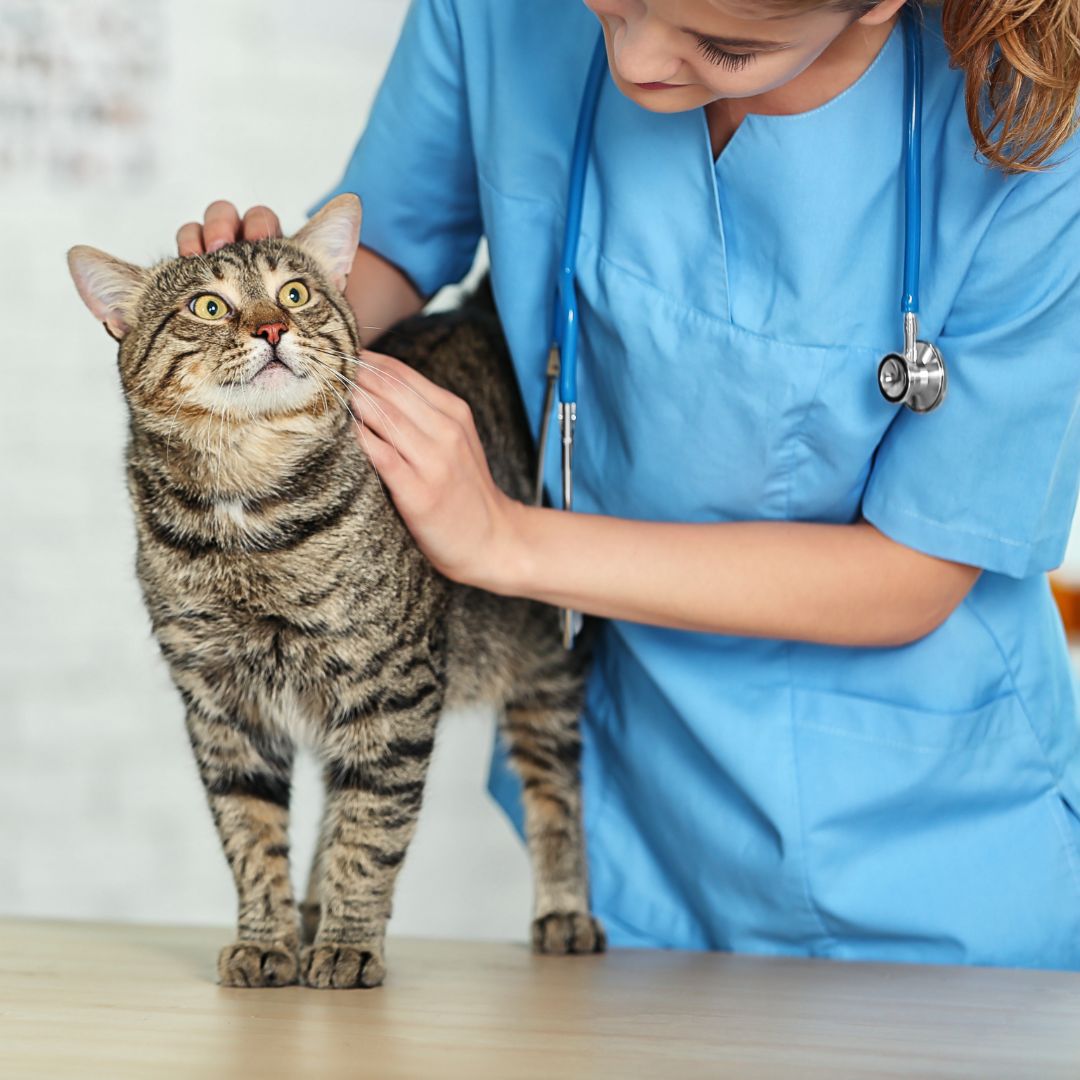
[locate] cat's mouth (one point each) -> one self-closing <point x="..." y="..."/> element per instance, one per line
<point x="276" y="369"/>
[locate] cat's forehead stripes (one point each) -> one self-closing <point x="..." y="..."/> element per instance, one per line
<point x="239" y="273"/>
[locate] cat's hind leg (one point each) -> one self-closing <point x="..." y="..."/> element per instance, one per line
<point x="247" y="781"/>
<point x="540" y="727"/>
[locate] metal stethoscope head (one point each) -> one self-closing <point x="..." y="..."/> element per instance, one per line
<point x="915" y="378"/>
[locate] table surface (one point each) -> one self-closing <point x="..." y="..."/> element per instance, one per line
<point x="118" y="1001"/>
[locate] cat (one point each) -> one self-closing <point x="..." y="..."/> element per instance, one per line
<point x="292" y="606"/>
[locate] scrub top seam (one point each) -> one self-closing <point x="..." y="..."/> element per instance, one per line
<point x="893" y="507"/>
<point x="829" y="942"/>
<point x="967" y="601"/>
<point x="1054" y="776"/>
<point x="717" y="207"/>
<point x="875" y="351"/>
<point x="796" y="440"/>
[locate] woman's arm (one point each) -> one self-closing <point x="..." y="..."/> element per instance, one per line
<point x="834" y="584"/>
<point x="379" y="294"/>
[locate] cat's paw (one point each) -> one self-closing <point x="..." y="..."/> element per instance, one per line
<point x="251" y="963"/>
<point x="560" y="933"/>
<point x="327" y="966"/>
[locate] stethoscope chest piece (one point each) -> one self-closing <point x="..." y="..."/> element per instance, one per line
<point x="919" y="383"/>
<point x="916" y="379"/>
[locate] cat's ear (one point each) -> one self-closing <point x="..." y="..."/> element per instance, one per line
<point x="331" y="236"/>
<point x="109" y="287"/>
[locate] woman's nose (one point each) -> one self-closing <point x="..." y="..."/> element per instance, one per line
<point x="641" y="56"/>
<point x="272" y="331"/>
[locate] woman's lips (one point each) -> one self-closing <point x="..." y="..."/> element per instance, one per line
<point x="658" y="86"/>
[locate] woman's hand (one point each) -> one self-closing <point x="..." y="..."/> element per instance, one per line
<point x="222" y="225"/>
<point x="424" y="445"/>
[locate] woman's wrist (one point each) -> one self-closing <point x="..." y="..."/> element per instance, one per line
<point x="509" y="568"/>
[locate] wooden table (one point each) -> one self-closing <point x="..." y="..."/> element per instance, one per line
<point x="110" y="1000"/>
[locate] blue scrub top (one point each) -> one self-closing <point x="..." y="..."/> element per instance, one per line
<point x="912" y="803"/>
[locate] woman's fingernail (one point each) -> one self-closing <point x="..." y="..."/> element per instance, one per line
<point x="215" y="245"/>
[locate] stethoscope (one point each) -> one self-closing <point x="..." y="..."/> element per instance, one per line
<point x="915" y="378"/>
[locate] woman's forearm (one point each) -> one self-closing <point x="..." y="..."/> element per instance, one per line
<point x="834" y="584"/>
<point x="379" y="294"/>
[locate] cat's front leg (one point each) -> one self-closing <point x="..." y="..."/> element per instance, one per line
<point x="376" y="760"/>
<point x="247" y="782"/>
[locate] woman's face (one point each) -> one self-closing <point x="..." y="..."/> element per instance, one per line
<point x="673" y="55"/>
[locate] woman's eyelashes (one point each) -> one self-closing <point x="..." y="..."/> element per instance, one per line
<point x="721" y="57"/>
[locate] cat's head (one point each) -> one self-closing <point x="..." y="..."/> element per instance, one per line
<point x="252" y="333"/>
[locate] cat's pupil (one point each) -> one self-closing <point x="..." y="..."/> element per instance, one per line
<point x="211" y="308"/>
<point x="294" y="295"/>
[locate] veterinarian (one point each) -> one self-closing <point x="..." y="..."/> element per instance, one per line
<point x="832" y="711"/>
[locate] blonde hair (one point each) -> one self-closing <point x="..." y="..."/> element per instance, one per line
<point x="1021" y="64"/>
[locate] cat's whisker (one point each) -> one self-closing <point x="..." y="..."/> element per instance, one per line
<point x="363" y="393"/>
<point x="359" y="424"/>
<point x="364" y="326"/>
<point x="172" y="417"/>
<point x="367" y="366"/>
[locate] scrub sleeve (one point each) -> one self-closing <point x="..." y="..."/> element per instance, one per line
<point x="414" y="166"/>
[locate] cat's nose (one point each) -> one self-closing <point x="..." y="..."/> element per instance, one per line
<point x="272" y="331"/>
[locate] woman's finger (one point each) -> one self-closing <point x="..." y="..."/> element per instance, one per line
<point x="437" y="411"/>
<point x="189" y="239"/>
<point x="401" y="379"/>
<point x="261" y="222"/>
<point x="221" y="225"/>
<point x="391" y="424"/>
<point x="386" y="460"/>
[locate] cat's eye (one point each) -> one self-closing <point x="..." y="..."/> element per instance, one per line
<point x="293" y="294"/>
<point x="209" y="307"/>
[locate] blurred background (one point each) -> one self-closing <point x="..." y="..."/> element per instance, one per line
<point x="119" y="121"/>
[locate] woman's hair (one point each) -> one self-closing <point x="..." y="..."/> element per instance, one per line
<point x="1022" y="58"/>
<point x="1021" y="62"/>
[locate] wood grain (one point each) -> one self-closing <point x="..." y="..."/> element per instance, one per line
<point x="120" y="1001"/>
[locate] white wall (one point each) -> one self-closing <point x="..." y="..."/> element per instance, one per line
<point x="102" y="814"/>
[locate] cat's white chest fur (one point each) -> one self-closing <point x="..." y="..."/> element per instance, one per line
<point x="286" y="713"/>
<point x="232" y="510"/>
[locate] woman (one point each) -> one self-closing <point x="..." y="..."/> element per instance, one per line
<point x="832" y="711"/>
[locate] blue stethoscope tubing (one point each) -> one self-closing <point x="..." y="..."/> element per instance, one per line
<point x="915" y="378"/>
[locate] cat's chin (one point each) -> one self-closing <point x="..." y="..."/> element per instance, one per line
<point x="273" y="391"/>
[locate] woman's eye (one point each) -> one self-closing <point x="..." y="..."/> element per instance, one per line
<point x="209" y="307"/>
<point x="293" y="294"/>
<point x="728" y="60"/>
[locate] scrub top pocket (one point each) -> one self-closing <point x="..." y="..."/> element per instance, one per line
<point x="935" y="836"/>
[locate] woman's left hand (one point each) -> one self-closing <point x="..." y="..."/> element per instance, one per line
<point x="423" y="442"/>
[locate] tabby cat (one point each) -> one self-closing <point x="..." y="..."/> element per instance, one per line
<point x="292" y="605"/>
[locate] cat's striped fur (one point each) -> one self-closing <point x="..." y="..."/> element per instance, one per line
<point x="292" y="605"/>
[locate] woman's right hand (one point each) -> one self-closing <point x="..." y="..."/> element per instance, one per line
<point x="222" y="225"/>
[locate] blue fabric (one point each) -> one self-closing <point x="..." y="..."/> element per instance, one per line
<point x="916" y="803"/>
